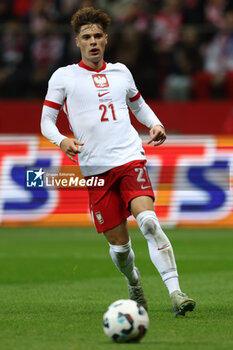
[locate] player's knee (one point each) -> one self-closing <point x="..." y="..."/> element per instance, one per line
<point x="149" y="226"/>
<point x="117" y="242"/>
<point x="151" y="229"/>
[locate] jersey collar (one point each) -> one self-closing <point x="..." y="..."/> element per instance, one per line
<point x="83" y="65"/>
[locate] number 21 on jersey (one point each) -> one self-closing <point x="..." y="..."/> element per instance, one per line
<point x="105" y="114"/>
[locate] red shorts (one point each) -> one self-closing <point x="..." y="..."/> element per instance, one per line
<point x="109" y="204"/>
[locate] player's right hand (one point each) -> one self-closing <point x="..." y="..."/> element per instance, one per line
<point x="70" y="148"/>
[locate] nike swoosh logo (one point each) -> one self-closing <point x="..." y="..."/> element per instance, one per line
<point x="101" y="95"/>
<point x="144" y="187"/>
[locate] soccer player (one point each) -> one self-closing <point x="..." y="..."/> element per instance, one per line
<point x="95" y="96"/>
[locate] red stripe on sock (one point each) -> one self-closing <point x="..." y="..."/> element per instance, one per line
<point x="166" y="246"/>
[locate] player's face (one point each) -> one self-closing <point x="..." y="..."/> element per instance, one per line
<point x="92" y="41"/>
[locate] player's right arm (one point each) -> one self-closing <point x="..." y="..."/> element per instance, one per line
<point x="70" y="147"/>
<point x="54" y="100"/>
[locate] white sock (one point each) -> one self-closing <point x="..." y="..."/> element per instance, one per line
<point x="123" y="257"/>
<point x="172" y="284"/>
<point x="160" y="249"/>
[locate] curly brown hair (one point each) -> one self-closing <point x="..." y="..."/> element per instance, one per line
<point x="89" y="15"/>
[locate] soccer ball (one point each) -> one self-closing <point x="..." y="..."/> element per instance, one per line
<point x="125" y="320"/>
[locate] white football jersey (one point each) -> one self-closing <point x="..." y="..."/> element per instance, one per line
<point x="96" y="105"/>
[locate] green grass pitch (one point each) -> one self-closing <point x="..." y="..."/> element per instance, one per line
<point x="56" y="283"/>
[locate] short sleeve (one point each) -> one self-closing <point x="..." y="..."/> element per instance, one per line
<point x="56" y="95"/>
<point x="132" y="92"/>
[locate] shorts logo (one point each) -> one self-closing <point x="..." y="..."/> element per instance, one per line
<point x="145" y="187"/>
<point x="99" y="217"/>
<point x="35" y="178"/>
<point x="100" y="80"/>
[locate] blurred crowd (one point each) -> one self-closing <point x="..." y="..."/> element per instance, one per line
<point x="176" y="49"/>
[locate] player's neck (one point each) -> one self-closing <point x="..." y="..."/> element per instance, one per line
<point x="94" y="65"/>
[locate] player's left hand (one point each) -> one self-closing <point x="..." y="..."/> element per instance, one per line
<point x="157" y="135"/>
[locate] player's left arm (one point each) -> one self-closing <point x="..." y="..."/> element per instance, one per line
<point x="157" y="135"/>
<point x="146" y="116"/>
<point x="144" y="113"/>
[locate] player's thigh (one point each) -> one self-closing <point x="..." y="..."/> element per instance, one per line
<point x="136" y="189"/>
<point x="108" y="211"/>
<point x="118" y="235"/>
<point x="141" y="203"/>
